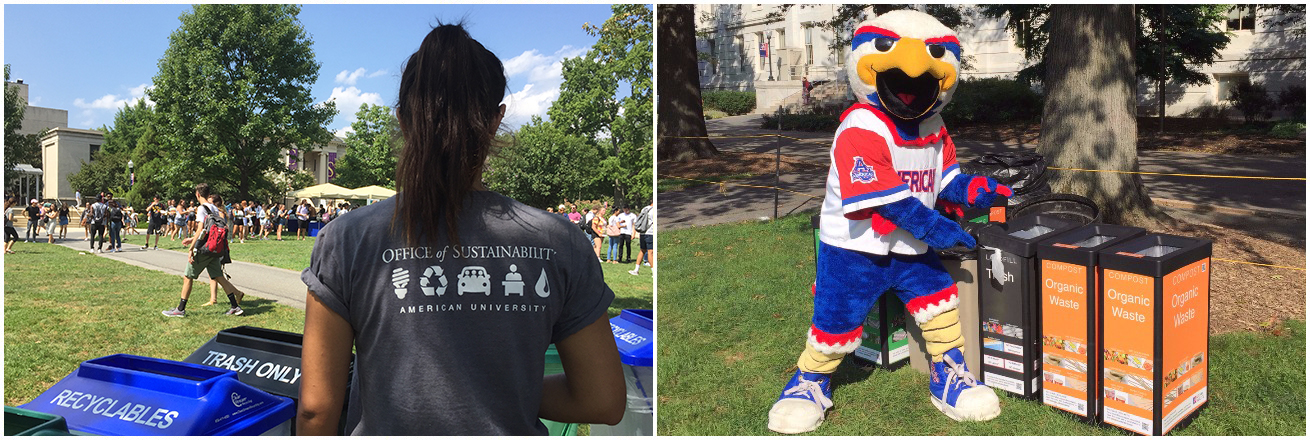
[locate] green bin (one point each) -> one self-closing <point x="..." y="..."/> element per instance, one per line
<point x="554" y="366"/>
<point x="19" y="421"/>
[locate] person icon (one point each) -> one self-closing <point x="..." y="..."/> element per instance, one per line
<point x="513" y="281"/>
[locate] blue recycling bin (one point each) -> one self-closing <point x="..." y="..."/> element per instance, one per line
<point x="633" y="332"/>
<point x="313" y="228"/>
<point x="124" y="394"/>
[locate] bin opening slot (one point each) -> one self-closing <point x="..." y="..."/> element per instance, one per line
<point x="146" y="365"/>
<point x="1157" y="251"/>
<point x="1094" y="241"/>
<point x="1031" y="232"/>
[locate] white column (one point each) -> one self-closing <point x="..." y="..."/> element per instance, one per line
<point x="322" y="167"/>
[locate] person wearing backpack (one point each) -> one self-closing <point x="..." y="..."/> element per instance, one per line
<point x="99" y="216"/>
<point x="202" y="255"/>
<point x="645" y="225"/>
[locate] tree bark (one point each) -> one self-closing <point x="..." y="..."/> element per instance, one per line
<point x="681" y="115"/>
<point x="1088" y="121"/>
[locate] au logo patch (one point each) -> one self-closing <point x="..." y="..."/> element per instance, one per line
<point x="862" y="173"/>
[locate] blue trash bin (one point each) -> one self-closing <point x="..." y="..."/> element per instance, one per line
<point x="633" y="330"/>
<point x="125" y="394"/>
<point x="313" y="228"/>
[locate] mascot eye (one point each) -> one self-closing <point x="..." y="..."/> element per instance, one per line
<point x="883" y="44"/>
<point x="936" y="50"/>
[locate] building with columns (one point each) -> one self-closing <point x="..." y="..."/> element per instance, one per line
<point x="732" y="37"/>
<point x="321" y="161"/>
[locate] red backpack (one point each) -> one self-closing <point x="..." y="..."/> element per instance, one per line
<point x="213" y="235"/>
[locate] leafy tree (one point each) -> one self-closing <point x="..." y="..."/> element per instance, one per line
<point x="19" y="148"/>
<point x="542" y="165"/>
<point x="371" y="158"/>
<point x="233" y="93"/>
<point x="1088" y="120"/>
<point x="107" y="172"/>
<point x="589" y="106"/>
<point x="682" y="133"/>
<point x="1187" y="35"/>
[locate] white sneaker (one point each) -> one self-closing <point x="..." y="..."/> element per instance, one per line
<point x="634" y="271"/>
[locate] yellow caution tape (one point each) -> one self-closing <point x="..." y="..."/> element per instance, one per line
<point x="1215" y="176"/>
<point x="723" y="185"/>
<point x="1259" y="264"/>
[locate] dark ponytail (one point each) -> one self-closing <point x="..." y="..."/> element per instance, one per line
<point x="448" y="109"/>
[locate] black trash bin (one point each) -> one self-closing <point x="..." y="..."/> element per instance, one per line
<point x="263" y="358"/>
<point x="1009" y="307"/>
<point x="1070" y="313"/>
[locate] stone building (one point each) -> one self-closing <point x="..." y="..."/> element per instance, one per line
<point x="733" y="36"/>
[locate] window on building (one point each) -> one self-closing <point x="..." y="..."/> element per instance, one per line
<point x="1241" y="18"/>
<point x="1226" y="82"/>
<point x="94" y="149"/>
<point x="739" y="43"/>
<point x="809" y="45"/>
<point x="714" y="54"/>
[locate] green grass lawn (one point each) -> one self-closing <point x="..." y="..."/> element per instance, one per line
<point x="62" y="308"/>
<point x="291" y="254"/>
<point x="735" y="306"/>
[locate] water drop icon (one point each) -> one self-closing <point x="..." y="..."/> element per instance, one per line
<point x="543" y="286"/>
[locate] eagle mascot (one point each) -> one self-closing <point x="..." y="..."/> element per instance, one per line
<point x="892" y="162"/>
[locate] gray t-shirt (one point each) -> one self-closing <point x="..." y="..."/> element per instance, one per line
<point x="451" y="340"/>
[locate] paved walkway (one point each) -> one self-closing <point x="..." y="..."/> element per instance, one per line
<point x="1220" y="201"/>
<point x="256" y="280"/>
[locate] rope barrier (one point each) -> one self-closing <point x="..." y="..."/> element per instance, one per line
<point x="1215" y="176"/>
<point x="1259" y="264"/>
<point x="723" y="185"/>
<point x="1212" y="176"/>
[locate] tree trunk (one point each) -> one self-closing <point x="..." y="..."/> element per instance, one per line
<point x="1089" y="120"/>
<point x="679" y="102"/>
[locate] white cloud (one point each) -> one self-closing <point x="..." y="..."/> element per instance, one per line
<point x="348" y="101"/>
<point x="543" y="75"/>
<point x="100" y="110"/>
<point x="350" y="98"/>
<point x="350" y="78"/>
<point x="523" y="104"/>
<point x="343" y="131"/>
<point x="115" y="102"/>
<point x="540" y="67"/>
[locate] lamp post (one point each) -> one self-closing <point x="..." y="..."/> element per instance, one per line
<point x="768" y="38"/>
<point x="131" y="175"/>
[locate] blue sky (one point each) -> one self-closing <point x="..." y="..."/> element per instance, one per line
<point x="92" y="59"/>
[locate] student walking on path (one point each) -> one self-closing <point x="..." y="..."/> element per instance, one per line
<point x="645" y="225"/>
<point x="11" y="234"/>
<point x="99" y="217"/>
<point x="198" y="262"/>
<point x="33" y="219"/>
<point x="115" y="227"/>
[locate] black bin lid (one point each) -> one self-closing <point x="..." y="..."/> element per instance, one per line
<point x="1021" y="235"/>
<point x="1088" y="239"/>
<point x="1155" y="255"/>
<point x="264" y="358"/>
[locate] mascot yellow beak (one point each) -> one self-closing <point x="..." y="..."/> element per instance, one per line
<point x="909" y="76"/>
